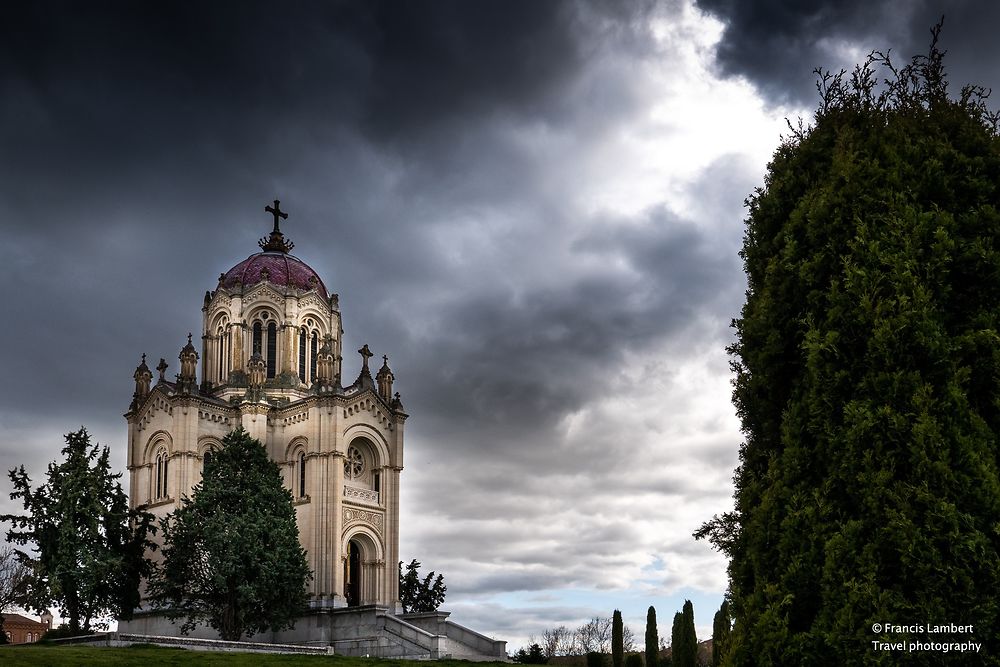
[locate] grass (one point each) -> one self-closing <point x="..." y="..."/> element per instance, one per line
<point x="40" y="655"/>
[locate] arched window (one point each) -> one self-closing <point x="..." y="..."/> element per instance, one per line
<point x="161" y="467"/>
<point x="222" y="349"/>
<point x="221" y="355"/>
<point x="302" y="355"/>
<point x="312" y="357"/>
<point x="257" y="335"/>
<point x="205" y="461"/>
<point x="302" y="474"/>
<point x="272" y="348"/>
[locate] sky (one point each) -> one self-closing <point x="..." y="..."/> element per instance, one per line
<point x="534" y="208"/>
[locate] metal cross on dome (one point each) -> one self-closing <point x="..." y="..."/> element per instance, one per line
<point x="276" y="242"/>
<point x="277" y="213"/>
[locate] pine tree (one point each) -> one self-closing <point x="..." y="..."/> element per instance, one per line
<point x="868" y="376"/>
<point x="533" y="655"/>
<point x="418" y="595"/>
<point x="91" y="547"/>
<point x="232" y="556"/>
<point x="652" y="640"/>
<point x="617" y="639"/>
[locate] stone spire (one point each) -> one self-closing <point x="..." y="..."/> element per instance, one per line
<point x="142" y="377"/>
<point x="384" y="379"/>
<point x="276" y="241"/>
<point x="186" y="380"/>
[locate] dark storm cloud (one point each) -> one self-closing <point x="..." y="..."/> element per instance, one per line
<point x="777" y="44"/>
<point x="129" y="128"/>
<point x="119" y="83"/>
<point x="511" y="358"/>
<point x="519" y="362"/>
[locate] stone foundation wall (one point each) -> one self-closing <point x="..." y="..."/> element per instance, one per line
<point x="358" y="631"/>
<point x="122" y="639"/>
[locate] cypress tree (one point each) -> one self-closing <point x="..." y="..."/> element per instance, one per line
<point x="617" y="639"/>
<point x="676" y="639"/>
<point x="721" y="629"/>
<point x="652" y="640"/>
<point x="683" y="641"/>
<point x="867" y="368"/>
<point x="690" y="636"/>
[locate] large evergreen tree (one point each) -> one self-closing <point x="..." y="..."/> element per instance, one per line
<point x="232" y="556"/>
<point x="90" y="547"/>
<point x="867" y="369"/>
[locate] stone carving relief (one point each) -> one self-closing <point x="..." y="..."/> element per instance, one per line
<point x="373" y="519"/>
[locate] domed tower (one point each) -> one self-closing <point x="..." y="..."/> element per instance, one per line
<point x="272" y="304"/>
<point x="271" y="362"/>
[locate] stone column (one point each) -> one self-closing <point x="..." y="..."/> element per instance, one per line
<point x="207" y="370"/>
<point x="391" y="483"/>
<point x="286" y="347"/>
<point x="237" y="360"/>
<point x="337" y="526"/>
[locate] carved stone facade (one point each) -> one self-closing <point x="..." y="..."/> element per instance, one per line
<point x="271" y="362"/>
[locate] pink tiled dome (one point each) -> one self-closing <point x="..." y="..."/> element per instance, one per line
<point x="282" y="269"/>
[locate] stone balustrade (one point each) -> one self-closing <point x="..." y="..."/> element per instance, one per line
<point x="358" y="495"/>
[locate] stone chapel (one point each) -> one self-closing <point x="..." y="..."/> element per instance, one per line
<point x="271" y="361"/>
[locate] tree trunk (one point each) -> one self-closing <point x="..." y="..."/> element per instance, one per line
<point x="73" y="609"/>
<point x="229" y="627"/>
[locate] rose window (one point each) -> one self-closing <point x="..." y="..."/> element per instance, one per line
<point x="355" y="463"/>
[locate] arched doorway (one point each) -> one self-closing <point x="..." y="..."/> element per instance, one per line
<point x="352" y="574"/>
